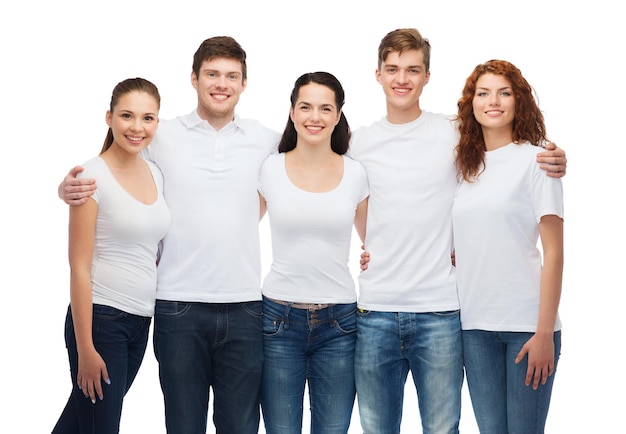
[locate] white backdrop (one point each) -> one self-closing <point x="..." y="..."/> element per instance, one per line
<point x="60" y="61"/>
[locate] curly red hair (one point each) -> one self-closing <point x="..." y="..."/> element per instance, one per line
<point x="528" y="123"/>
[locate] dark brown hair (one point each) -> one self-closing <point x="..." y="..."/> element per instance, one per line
<point x="220" y="46"/>
<point x="340" y="139"/>
<point x="122" y="88"/>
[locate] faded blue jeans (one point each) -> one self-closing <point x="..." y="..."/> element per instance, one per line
<point x="209" y="345"/>
<point x="501" y="400"/>
<point x="121" y="339"/>
<point x="389" y="345"/>
<point x="314" y="347"/>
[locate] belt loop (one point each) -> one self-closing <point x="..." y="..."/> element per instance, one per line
<point x="331" y="316"/>
<point x="287" y="312"/>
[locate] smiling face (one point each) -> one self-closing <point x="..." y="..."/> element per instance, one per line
<point x="403" y="77"/>
<point x="315" y="114"/>
<point x="219" y="86"/>
<point x="494" y="104"/>
<point x="133" y="121"/>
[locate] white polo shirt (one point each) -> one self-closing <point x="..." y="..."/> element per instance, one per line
<point x="211" y="253"/>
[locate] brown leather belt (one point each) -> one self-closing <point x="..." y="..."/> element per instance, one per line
<point x="311" y="307"/>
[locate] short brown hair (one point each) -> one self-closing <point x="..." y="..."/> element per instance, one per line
<point x="401" y="40"/>
<point x="219" y="46"/>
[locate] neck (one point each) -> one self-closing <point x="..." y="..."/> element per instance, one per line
<point x="312" y="155"/>
<point x="216" y="120"/>
<point x="400" y="116"/>
<point x="497" y="138"/>
<point x="119" y="158"/>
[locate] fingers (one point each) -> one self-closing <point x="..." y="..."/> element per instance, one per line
<point x="365" y="259"/>
<point x="92" y="389"/>
<point x="554" y="162"/>
<point x="75" y="171"/>
<point x="550" y="146"/>
<point x="554" y="171"/>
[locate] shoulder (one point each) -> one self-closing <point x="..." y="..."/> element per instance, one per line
<point x="271" y="162"/>
<point x="441" y="119"/>
<point x="354" y="167"/>
<point x="255" y="127"/>
<point x="92" y="168"/>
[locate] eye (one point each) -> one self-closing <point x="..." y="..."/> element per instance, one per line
<point x="506" y="93"/>
<point x="126" y="116"/>
<point x="481" y="94"/>
<point x="149" y="118"/>
<point x="233" y="77"/>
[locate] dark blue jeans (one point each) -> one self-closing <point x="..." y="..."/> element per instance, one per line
<point x="209" y="345"/>
<point x="121" y="339"/>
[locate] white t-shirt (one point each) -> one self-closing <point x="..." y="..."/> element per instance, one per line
<point x="311" y="234"/>
<point x="412" y="180"/>
<point x="496" y="232"/>
<point x="123" y="270"/>
<point x="211" y="253"/>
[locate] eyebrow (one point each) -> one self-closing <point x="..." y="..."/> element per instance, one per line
<point x="217" y="70"/>
<point x="397" y="66"/>
<point x="322" y="105"/>
<point x="488" y="88"/>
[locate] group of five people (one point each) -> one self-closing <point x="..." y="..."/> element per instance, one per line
<point x="449" y="210"/>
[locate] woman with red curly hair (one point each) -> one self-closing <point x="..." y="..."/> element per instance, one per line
<point x="509" y="290"/>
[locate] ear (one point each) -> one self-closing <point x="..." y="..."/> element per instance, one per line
<point x="378" y="76"/>
<point x="108" y="118"/>
<point x="291" y="113"/>
<point x="244" y="83"/>
<point x="338" y="117"/>
<point x="427" y="78"/>
<point x="194" y="80"/>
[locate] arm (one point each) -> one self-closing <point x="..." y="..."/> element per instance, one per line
<point x="74" y="191"/>
<point x="91" y="367"/>
<point x="553" y="161"/>
<point x="360" y="224"/>
<point x="360" y="219"/>
<point x="263" y="207"/>
<point x="540" y="348"/>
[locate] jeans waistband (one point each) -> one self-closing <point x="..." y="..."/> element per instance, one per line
<point x="311" y="307"/>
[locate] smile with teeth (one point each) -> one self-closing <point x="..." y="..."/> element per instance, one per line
<point x="134" y="139"/>
<point x="401" y="90"/>
<point x="219" y="96"/>
<point x="313" y="128"/>
<point x="494" y="112"/>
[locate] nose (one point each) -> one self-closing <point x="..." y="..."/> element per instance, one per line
<point x="494" y="100"/>
<point x="402" y="76"/>
<point x="315" y="115"/>
<point x="221" y="81"/>
<point x="136" y="124"/>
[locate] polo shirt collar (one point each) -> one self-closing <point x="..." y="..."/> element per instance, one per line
<point x="192" y="120"/>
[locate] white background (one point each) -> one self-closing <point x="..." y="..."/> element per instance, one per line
<point x="60" y="60"/>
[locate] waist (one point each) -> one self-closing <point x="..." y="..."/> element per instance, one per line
<point x="311" y="307"/>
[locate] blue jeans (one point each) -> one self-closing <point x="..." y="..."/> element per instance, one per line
<point x="501" y="400"/>
<point x="121" y="339"/>
<point x="209" y="345"/>
<point x="308" y="346"/>
<point x="389" y="344"/>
